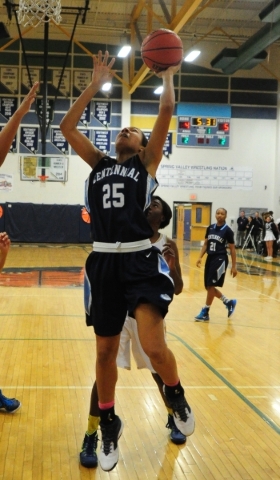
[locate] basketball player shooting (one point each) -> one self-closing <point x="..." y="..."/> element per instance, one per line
<point x="124" y="272"/>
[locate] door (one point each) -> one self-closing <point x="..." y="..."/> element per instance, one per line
<point x="200" y="219"/>
<point x="180" y="222"/>
<point x="187" y="224"/>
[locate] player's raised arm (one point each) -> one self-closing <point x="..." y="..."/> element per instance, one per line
<point x="9" y="131"/>
<point x="152" y="154"/>
<point x="78" y="141"/>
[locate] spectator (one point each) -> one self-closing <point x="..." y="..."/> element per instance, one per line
<point x="258" y="228"/>
<point x="241" y="229"/>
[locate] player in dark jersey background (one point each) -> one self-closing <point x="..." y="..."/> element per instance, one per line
<point x="218" y="236"/>
<point x="124" y="272"/>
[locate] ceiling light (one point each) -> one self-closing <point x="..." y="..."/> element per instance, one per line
<point x="159" y="90"/>
<point x="124" y="51"/>
<point x="106" y="87"/>
<point x="192" y="56"/>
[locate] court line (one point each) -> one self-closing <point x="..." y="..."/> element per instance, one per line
<point x="262" y="415"/>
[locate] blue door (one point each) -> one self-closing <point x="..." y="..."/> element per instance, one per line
<point x="187" y="224"/>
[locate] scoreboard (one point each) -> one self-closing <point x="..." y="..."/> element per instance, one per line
<point x="206" y="126"/>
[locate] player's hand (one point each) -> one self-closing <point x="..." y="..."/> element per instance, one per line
<point x="169" y="71"/>
<point x="198" y="263"/>
<point x="29" y="99"/>
<point x="5" y="242"/>
<point x="169" y="255"/>
<point x="233" y="272"/>
<point x="101" y="69"/>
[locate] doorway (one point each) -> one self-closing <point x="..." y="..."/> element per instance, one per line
<point x="190" y="220"/>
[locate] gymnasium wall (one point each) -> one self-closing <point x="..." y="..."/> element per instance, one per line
<point x="254" y="129"/>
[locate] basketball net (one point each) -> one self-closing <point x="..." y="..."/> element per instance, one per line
<point x="34" y="12"/>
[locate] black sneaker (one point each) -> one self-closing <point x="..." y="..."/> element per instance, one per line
<point x="11" y="405"/>
<point x="109" y="453"/>
<point x="182" y="414"/>
<point x="88" y="456"/>
<point x="175" y="435"/>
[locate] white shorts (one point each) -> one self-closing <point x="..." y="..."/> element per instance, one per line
<point x="129" y="337"/>
<point x="269" y="236"/>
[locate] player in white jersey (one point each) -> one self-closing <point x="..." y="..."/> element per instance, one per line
<point x="7" y="135"/>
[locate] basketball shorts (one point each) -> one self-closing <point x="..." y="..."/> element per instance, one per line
<point x="215" y="270"/>
<point x="115" y="283"/>
<point x="129" y="342"/>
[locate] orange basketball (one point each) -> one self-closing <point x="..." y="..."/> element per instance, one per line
<point x="162" y="49"/>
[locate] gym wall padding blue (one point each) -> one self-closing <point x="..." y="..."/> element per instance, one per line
<point x="36" y="223"/>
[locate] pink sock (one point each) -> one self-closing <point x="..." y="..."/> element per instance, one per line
<point x="106" y="406"/>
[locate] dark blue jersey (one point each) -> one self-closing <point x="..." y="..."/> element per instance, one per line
<point x="218" y="237"/>
<point x="117" y="195"/>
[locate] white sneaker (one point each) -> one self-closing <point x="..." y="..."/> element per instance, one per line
<point x="109" y="453"/>
<point x="268" y="259"/>
<point x="182" y="414"/>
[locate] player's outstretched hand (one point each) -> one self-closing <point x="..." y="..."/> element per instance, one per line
<point x="28" y="99"/>
<point x="5" y="243"/>
<point x="102" y="69"/>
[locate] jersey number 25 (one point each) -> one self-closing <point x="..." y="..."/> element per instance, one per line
<point x="113" y="195"/>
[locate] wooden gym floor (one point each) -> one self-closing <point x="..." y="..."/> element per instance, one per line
<point x="230" y="370"/>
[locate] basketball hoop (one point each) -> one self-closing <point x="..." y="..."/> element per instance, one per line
<point x="34" y="12"/>
<point x="43" y="178"/>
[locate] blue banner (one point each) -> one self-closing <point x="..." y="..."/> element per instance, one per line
<point x="29" y="138"/>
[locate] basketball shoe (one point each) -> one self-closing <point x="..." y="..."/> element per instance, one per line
<point x="11" y="405"/>
<point x="182" y="413"/>
<point x="230" y="305"/>
<point x="109" y="453"/>
<point x="88" y="456"/>
<point x="175" y="435"/>
<point x="203" y="316"/>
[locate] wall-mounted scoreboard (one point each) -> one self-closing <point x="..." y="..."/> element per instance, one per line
<point x="201" y="125"/>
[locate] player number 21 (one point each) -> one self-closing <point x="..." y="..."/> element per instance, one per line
<point x="113" y="195"/>
<point x="212" y="247"/>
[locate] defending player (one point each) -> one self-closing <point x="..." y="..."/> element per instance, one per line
<point x="7" y="135"/>
<point x="217" y="237"/>
<point x="159" y="215"/>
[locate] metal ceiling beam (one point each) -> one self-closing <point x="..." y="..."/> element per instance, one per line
<point x="176" y="25"/>
<point x="253" y="46"/>
<point x="184" y="15"/>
